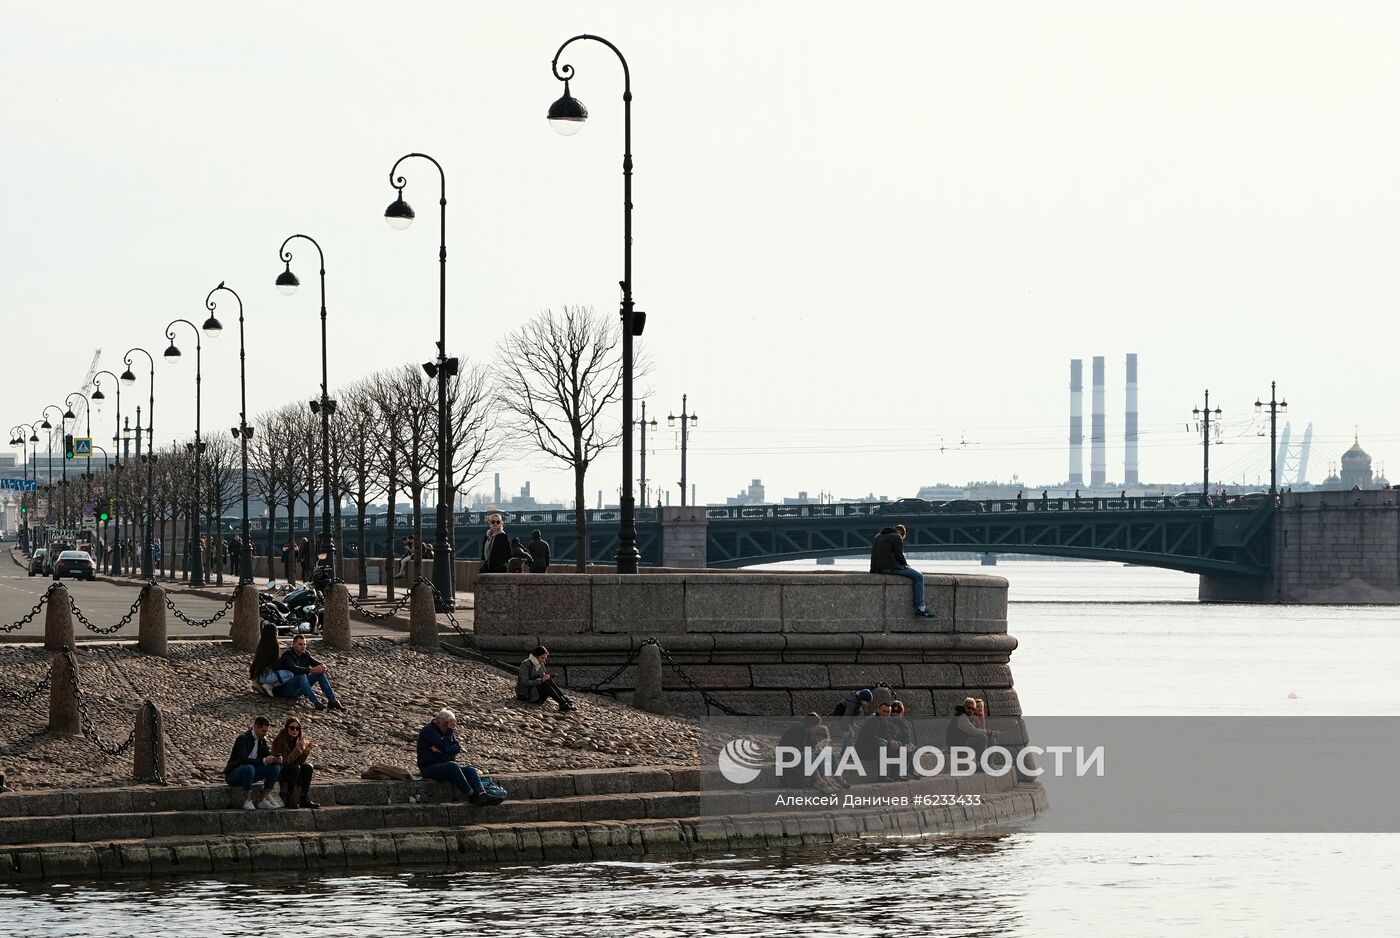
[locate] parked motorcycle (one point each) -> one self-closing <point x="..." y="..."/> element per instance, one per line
<point x="301" y="611"/>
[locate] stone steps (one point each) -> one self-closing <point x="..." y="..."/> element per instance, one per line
<point x="593" y="814"/>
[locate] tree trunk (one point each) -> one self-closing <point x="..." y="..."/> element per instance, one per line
<point x="271" y="541"/>
<point x="389" y="531"/>
<point x="362" y="567"/>
<point x="580" y="521"/>
<point x="417" y="496"/>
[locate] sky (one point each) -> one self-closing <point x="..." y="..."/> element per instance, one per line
<point x="869" y="237"/>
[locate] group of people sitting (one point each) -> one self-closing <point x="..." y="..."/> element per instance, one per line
<point x="873" y="722"/>
<point x="290" y="673"/>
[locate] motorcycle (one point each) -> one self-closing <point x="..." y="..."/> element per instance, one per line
<point x="301" y="611"/>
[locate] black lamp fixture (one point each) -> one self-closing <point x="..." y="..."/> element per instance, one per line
<point x="287" y="281"/>
<point x="567" y="114"/>
<point x="399" y="214"/>
<point x="128" y="378"/>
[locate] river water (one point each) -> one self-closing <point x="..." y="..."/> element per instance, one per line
<point x="1099" y="638"/>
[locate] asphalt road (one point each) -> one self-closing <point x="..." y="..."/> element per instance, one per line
<point x="103" y="604"/>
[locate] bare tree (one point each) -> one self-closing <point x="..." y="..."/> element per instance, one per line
<point x="388" y="465"/>
<point x="359" y="449"/>
<point x="265" y="477"/>
<point x="474" y="438"/>
<point x="557" y="377"/>
<point x="221" y="489"/>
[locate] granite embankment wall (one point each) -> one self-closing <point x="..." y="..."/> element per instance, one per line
<point x="601" y="814"/>
<point x="763" y="643"/>
<point x="1328" y="547"/>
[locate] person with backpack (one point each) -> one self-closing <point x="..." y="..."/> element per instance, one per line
<point x="850" y="707"/>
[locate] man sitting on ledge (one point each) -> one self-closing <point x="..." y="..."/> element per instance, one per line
<point x="887" y="556"/>
<point x="252" y="761"/>
<point x="437" y="756"/>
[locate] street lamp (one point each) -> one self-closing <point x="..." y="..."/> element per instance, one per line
<point x="400" y="215"/>
<point x="1203" y="415"/>
<point x="566" y="116"/>
<point x="212" y="328"/>
<point x="642" y="469"/>
<point x="242" y="433"/>
<point x="287" y="283"/>
<point x="1275" y="407"/>
<point x="687" y="421"/>
<point x="129" y="378"/>
<point x="97" y="398"/>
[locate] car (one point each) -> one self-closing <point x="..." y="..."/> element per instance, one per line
<point x="1248" y="500"/>
<point x="38" y="564"/>
<point x="905" y="506"/>
<point x="75" y="563"/>
<point x="1191" y="500"/>
<point x="962" y="505"/>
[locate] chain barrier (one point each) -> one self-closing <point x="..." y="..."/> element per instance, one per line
<point x="157" y="747"/>
<point x="88" y="728"/>
<point x="394" y="610"/>
<point x="27" y="697"/>
<point x="108" y="630"/>
<point x="29" y="617"/>
<point x="199" y="623"/>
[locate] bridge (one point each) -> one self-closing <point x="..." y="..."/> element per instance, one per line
<point x="1194" y="535"/>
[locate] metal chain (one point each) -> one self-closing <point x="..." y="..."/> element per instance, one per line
<point x="88" y="729"/>
<point x="29" y="617"/>
<point x="199" y="623"/>
<point x="704" y="694"/>
<point x="631" y="659"/>
<point x="28" y="696"/>
<point x="108" y="630"/>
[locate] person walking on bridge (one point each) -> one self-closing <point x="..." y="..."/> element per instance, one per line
<point x="887" y="557"/>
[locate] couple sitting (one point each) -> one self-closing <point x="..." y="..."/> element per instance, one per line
<point x="290" y="673"/>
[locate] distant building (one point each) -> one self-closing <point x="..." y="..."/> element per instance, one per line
<point x="754" y="495"/>
<point x="1356" y="467"/>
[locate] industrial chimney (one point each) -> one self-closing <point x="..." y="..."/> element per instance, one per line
<point x="1076" y="421"/>
<point x="1097" y="475"/>
<point x="1130" y="425"/>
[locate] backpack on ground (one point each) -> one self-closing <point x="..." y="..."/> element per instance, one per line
<point x="491" y="793"/>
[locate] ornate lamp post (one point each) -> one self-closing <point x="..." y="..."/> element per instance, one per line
<point x="129" y="378"/>
<point x="400" y="215"/>
<point x="1203" y="414"/>
<point x="243" y="432"/>
<point x="687" y="421"/>
<point x="212" y="327"/>
<point x="1275" y="407"/>
<point x="97" y="398"/>
<point x="287" y="282"/>
<point x="642" y="452"/>
<point x="566" y="116"/>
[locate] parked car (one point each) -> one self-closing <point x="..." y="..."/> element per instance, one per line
<point x="76" y="564"/>
<point x="38" y="563"/>
<point x="905" y="506"/>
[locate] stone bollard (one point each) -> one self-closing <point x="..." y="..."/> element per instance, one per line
<point x="422" y="618"/>
<point x="150" y="745"/>
<point x="150" y="636"/>
<point x="646" y="695"/>
<point x="244" y="634"/>
<point x="336" y="632"/>
<point x="63" y="697"/>
<point x="58" y="620"/>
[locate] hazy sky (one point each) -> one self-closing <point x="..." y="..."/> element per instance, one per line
<point x="869" y="237"/>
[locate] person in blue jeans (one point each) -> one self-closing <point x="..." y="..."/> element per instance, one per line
<point x="437" y="756"/>
<point x="887" y="556"/>
<point x="251" y="761"/>
<point x="305" y="671"/>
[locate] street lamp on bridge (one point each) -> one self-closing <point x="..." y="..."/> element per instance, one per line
<point x="567" y="116"/>
<point x="1275" y="407"/>
<point x="687" y="421"/>
<point x="97" y="398"/>
<point x="400" y="215"/>
<point x="1203" y="415"/>
<point x="287" y="283"/>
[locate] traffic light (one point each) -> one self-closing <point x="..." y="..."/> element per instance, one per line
<point x="23" y="510"/>
<point x="67" y="446"/>
<point x="103" y="516"/>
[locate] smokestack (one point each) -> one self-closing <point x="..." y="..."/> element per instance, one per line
<point x="1097" y="475"/>
<point x="1076" y="421"/>
<point x="497" y="501"/>
<point x="1130" y="425"/>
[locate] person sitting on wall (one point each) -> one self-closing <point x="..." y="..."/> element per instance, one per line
<point x="802" y="737"/>
<point x="252" y="761"/>
<point x="263" y="670"/>
<point x="964" y="731"/>
<point x="520" y="558"/>
<point x="877" y="734"/>
<point x="533" y="683"/>
<point x="437" y="757"/>
<point x="853" y="705"/>
<point x="887" y="557"/>
<point x="405" y="558"/>
<point x="903" y="726"/>
<point x="539" y="552"/>
<point x="293" y="748"/>
<point x="306" y="671"/>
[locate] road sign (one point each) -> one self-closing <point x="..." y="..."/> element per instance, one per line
<point x="82" y="447"/>
<point x="89" y="511"/>
<point x="20" y="485"/>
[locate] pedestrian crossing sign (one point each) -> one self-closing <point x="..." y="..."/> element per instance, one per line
<point x="82" y="447"/>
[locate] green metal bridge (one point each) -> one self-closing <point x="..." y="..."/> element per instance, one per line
<point x="1192" y="533"/>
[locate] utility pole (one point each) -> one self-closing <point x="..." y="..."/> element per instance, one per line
<point x="1276" y="407"/>
<point x="642" y="481"/>
<point x="1203" y="415"/>
<point x="687" y="421"/>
